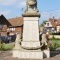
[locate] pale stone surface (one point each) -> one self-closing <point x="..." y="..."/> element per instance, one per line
<point x="31" y="29"/>
<point x="17" y="41"/>
<point x="31" y="55"/>
<point x="44" y="39"/>
<point x="31" y="44"/>
<point x="28" y="54"/>
<point x="31" y="32"/>
<point x="17" y="45"/>
<point x="15" y="53"/>
<point x="46" y="53"/>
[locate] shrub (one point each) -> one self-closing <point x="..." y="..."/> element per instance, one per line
<point x="54" y="46"/>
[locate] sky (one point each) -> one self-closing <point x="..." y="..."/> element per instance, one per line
<point x="15" y="8"/>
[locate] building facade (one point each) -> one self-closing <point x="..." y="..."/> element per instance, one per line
<point x="52" y="25"/>
<point x="10" y="26"/>
<point x="3" y="26"/>
<point x="16" y="25"/>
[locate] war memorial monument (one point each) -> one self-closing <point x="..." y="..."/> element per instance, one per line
<point x="29" y="47"/>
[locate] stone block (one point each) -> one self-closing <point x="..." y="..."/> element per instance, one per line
<point x="31" y="29"/>
<point x="30" y="44"/>
<point x="15" y="53"/>
<point x="46" y="53"/>
<point x="30" y="55"/>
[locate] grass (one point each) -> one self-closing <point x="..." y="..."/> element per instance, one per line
<point x="55" y="40"/>
<point x="8" y="47"/>
<point x="5" y="47"/>
<point x="55" y="43"/>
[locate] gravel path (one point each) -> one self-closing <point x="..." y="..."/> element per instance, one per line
<point x="55" y="55"/>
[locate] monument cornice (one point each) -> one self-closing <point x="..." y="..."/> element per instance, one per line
<point x="31" y="15"/>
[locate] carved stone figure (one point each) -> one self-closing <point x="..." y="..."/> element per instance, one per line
<point x="31" y="5"/>
<point x="18" y="41"/>
<point x="44" y="41"/>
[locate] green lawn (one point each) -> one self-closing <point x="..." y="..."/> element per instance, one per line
<point x="56" y="41"/>
<point x="6" y="47"/>
<point x="55" y="44"/>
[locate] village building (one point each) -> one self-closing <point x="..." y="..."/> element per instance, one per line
<point x="10" y="26"/>
<point x="16" y="25"/>
<point x="52" y="25"/>
<point x="3" y="25"/>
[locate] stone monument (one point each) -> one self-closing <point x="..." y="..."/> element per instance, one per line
<point x="31" y="26"/>
<point x="30" y="46"/>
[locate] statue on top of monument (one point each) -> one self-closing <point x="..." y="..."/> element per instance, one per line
<point x="31" y="5"/>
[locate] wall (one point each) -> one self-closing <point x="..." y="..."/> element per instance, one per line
<point x="16" y="30"/>
<point x="48" y="25"/>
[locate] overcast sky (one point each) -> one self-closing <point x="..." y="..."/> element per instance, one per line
<point x="13" y="8"/>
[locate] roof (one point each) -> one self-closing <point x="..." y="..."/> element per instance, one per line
<point x="18" y="21"/>
<point x="3" y="20"/>
<point x="54" y="22"/>
<point x="58" y="22"/>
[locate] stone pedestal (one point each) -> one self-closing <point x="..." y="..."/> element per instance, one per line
<point x="28" y="54"/>
<point x="30" y="42"/>
<point x="31" y="32"/>
<point x="31" y="54"/>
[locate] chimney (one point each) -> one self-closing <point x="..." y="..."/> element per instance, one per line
<point x="53" y="19"/>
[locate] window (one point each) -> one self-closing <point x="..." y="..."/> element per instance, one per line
<point x="47" y="24"/>
<point x="12" y="29"/>
<point x="52" y="28"/>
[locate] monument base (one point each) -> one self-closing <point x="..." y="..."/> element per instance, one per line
<point x="28" y="54"/>
<point x="46" y="53"/>
<point x="31" y="54"/>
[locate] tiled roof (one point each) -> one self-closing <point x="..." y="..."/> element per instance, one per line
<point x="4" y="21"/>
<point x="58" y="22"/>
<point x="54" y="22"/>
<point x="18" y="21"/>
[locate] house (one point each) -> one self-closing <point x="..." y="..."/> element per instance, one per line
<point x="52" y="25"/>
<point x="58" y="25"/>
<point x="3" y="25"/>
<point x="16" y="25"/>
<point x="10" y="26"/>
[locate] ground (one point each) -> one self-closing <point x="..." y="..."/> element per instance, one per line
<point x="7" y="55"/>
